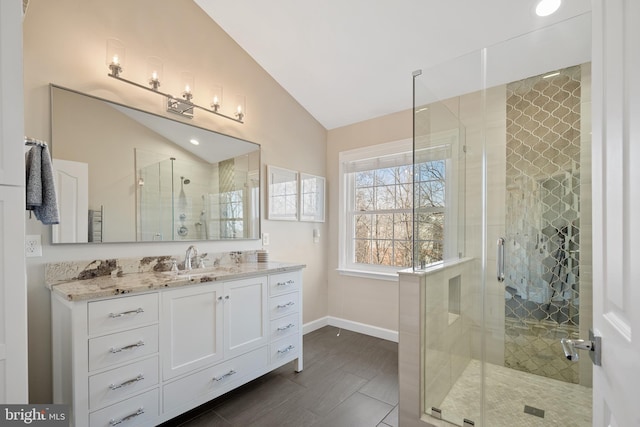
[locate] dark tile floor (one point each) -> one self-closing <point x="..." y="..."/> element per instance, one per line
<point x="350" y="380"/>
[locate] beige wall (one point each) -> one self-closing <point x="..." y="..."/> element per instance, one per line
<point x="370" y="301"/>
<point x="65" y="43"/>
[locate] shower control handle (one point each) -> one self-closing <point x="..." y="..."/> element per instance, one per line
<point x="500" y="259"/>
<point x="592" y="345"/>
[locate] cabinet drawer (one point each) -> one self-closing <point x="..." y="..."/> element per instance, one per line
<point x="284" y="282"/>
<point x="284" y="350"/>
<point x="111" y="386"/>
<point x="139" y="410"/>
<point x="214" y="380"/>
<point x="122" y="313"/>
<point x="284" y="304"/>
<point x="284" y="326"/>
<point x="108" y="350"/>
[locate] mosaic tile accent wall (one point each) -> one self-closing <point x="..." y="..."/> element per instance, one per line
<point x="542" y="252"/>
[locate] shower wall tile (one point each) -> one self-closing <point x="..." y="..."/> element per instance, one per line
<point x="410" y="311"/>
<point x="447" y="348"/>
<point x="544" y="221"/>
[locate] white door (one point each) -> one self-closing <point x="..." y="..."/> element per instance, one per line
<point x="616" y="210"/>
<point x="245" y="315"/>
<point x="72" y="190"/>
<point x="13" y="287"/>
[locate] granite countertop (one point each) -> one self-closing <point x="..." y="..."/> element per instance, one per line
<point x="130" y="283"/>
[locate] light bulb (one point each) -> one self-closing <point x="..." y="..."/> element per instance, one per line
<point x="547" y="7"/>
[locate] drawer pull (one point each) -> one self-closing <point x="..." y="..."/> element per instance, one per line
<point x="140" y="377"/>
<point x="287" y="283"/>
<point x="126" y="313"/>
<point x="139" y="412"/>
<point x="287" y="305"/>
<point x="284" y="328"/>
<point x="127" y="347"/>
<point x="228" y="374"/>
<point x="286" y="350"/>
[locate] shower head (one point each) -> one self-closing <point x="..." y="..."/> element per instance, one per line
<point x="185" y="181"/>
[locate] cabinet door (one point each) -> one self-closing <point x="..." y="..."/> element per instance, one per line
<point x="191" y="335"/>
<point x="245" y="315"/>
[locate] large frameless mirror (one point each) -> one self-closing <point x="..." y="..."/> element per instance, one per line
<point x="126" y="175"/>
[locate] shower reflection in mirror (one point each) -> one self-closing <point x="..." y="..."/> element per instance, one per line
<point x="184" y="199"/>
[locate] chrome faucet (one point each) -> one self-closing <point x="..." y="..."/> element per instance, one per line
<point x="191" y="252"/>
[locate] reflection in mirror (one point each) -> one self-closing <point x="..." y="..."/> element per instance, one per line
<point x="282" y="189"/>
<point x="311" y="197"/>
<point x="125" y="175"/>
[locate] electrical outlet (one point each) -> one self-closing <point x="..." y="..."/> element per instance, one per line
<point x="33" y="245"/>
<point x="265" y="239"/>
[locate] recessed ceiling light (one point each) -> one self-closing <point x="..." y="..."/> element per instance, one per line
<point x="194" y="141"/>
<point x="547" y="7"/>
<point x="557" y="73"/>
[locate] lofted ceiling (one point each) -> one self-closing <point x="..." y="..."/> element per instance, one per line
<point x="346" y="61"/>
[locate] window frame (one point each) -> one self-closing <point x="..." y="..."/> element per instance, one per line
<point x="346" y="243"/>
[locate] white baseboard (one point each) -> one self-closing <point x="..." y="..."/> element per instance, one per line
<point x="362" y="328"/>
<point x="315" y="324"/>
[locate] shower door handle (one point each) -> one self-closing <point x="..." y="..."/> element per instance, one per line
<point x="593" y="345"/>
<point x="500" y="259"/>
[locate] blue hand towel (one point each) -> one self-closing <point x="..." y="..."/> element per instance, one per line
<point x="40" y="186"/>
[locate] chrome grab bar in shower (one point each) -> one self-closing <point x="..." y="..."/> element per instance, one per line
<point x="500" y="259"/>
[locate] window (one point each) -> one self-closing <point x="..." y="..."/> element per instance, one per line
<point x="377" y="205"/>
<point x="231" y="214"/>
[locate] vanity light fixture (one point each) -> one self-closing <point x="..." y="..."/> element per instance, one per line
<point x="115" y="56"/>
<point x="182" y="106"/>
<point x="154" y="69"/>
<point x="241" y="107"/>
<point x="216" y="97"/>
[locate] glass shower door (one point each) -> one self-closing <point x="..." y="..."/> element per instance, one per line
<point x="526" y="221"/>
<point x="544" y="234"/>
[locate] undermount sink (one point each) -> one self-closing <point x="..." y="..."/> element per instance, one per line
<point x="204" y="271"/>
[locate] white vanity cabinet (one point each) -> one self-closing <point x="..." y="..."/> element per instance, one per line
<point x="285" y="315"/>
<point x="105" y="358"/>
<point x="146" y="358"/>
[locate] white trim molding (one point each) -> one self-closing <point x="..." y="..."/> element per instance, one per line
<point x="350" y="325"/>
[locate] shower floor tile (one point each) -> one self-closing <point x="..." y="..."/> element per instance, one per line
<point x="508" y="391"/>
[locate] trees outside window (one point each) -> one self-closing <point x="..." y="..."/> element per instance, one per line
<point x="392" y="210"/>
<point x="382" y="214"/>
